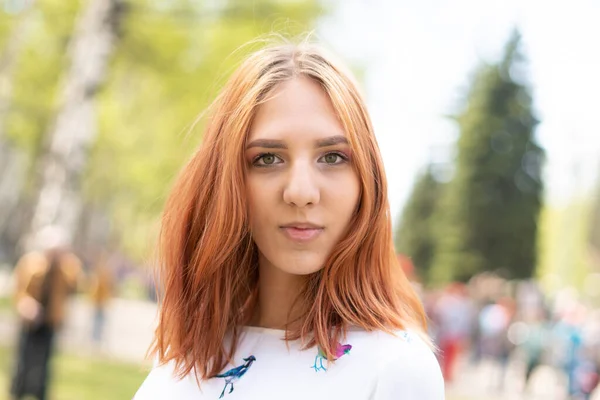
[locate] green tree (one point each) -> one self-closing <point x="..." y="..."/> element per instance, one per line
<point x="415" y="233"/>
<point x="488" y="217"/>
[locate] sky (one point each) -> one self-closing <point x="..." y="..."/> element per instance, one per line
<point x="418" y="58"/>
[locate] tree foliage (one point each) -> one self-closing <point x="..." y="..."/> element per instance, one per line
<point x="489" y="214"/>
<point x="415" y="233"/>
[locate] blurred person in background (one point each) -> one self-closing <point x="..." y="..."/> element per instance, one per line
<point x="536" y="340"/>
<point x="100" y="291"/>
<point x="588" y="371"/>
<point x="494" y="321"/>
<point x="430" y="298"/>
<point x="567" y="344"/>
<point x="454" y="315"/>
<point x="280" y="278"/>
<point x="44" y="280"/>
<point x="575" y="350"/>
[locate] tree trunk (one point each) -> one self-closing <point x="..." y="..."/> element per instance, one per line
<point x="13" y="162"/>
<point x="59" y="198"/>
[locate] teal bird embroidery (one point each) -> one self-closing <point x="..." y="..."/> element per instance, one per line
<point x="234" y="374"/>
<point x="339" y="352"/>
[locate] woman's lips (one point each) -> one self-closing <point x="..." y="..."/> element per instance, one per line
<point x="301" y="234"/>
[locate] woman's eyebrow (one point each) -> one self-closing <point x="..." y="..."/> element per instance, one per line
<point x="267" y="143"/>
<point x="279" y="144"/>
<point x="331" y="141"/>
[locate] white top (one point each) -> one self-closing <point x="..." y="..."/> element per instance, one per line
<point x="370" y="366"/>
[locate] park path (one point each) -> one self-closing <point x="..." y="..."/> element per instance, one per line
<point x="127" y="335"/>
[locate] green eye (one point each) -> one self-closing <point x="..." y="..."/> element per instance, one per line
<point x="331" y="158"/>
<point x="268" y="159"/>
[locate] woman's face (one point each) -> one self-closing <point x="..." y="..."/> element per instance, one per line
<point x="302" y="186"/>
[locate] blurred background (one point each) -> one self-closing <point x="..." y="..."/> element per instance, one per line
<point x="486" y="114"/>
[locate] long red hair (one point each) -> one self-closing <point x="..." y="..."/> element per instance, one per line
<point x="209" y="263"/>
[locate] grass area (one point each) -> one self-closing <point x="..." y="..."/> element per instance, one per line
<point x="76" y="377"/>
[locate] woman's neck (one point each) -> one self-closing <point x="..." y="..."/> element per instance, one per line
<point x="277" y="291"/>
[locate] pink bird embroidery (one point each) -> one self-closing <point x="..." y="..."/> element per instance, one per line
<point x="339" y="352"/>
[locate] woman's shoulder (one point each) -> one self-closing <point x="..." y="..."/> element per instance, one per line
<point x="162" y="383"/>
<point x="407" y="367"/>
<point x="393" y="341"/>
<point x="410" y="371"/>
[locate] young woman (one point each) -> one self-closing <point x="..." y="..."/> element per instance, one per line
<point x="280" y="278"/>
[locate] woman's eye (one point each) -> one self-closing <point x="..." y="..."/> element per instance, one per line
<point x="333" y="158"/>
<point x="267" y="159"/>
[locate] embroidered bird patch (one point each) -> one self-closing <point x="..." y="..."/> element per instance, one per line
<point x="406" y="336"/>
<point x="339" y="352"/>
<point x="234" y="374"/>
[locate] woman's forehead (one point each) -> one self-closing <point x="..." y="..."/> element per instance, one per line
<point x="297" y="109"/>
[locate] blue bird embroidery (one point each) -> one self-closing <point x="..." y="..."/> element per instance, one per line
<point x="406" y="336"/>
<point x="339" y="352"/>
<point x="234" y="374"/>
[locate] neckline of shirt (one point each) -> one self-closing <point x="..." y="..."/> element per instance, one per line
<point x="281" y="332"/>
<point x="270" y="331"/>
